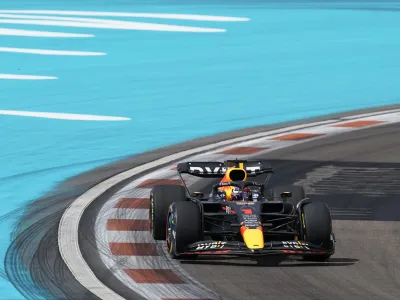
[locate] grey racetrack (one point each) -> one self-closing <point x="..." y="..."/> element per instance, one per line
<point x="358" y="175"/>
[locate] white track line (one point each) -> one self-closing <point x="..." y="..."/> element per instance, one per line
<point x="128" y="213"/>
<point x="50" y="52"/>
<point x="68" y="237"/>
<point x="38" y="33"/>
<point x="135" y="15"/>
<point x="61" y="116"/>
<point x="25" y="77"/>
<point x="108" y="25"/>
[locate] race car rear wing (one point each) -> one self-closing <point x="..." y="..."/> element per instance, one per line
<point x="214" y="169"/>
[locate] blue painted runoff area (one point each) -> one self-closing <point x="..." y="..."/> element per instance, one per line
<point x="290" y="60"/>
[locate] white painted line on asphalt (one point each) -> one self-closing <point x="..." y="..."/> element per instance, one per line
<point x="114" y="236"/>
<point x="108" y="25"/>
<point x="129" y="213"/>
<point x="61" y="116"/>
<point x="38" y="33"/>
<point x="25" y="77"/>
<point x="143" y="262"/>
<point x="135" y="15"/>
<point x="50" y="52"/>
<point x="372" y="114"/>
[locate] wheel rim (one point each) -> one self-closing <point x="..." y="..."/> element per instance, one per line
<point x="168" y="237"/>
<point x="151" y="216"/>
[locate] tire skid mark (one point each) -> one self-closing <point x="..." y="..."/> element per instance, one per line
<point x="154" y="284"/>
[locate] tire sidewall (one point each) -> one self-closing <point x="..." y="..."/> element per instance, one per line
<point x="161" y="197"/>
<point x="183" y="227"/>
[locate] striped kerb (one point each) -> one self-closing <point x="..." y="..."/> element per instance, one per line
<point x="136" y="203"/>
<point x="134" y="249"/>
<point x="242" y="150"/>
<point x="185" y="299"/>
<point x="127" y="225"/>
<point x="296" y="136"/>
<point x="149" y="183"/>
<point x="357" y="124"/>
<point x="154" y="276"/>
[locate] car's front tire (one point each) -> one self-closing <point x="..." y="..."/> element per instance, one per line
<point x="183" y="226"/>
<point x="161" y="198"/>
<point x="317" y="222"/>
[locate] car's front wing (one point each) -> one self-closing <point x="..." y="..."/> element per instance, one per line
<point x="270" y="248"/>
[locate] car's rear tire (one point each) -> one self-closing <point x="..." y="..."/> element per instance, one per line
<point x="186" y="225"/>
<point x="298" y="193"/>
<point x="318" y="228"/>
<point x="161" y="197"/>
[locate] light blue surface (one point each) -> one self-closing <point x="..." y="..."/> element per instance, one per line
<point x="283" y="64"/>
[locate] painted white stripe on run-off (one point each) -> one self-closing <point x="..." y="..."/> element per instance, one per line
<point x="50" y="52"/>
<point x="108" y="25"/>
<point x="61" y="116"/>
<point x="25" y="77"/>
<point x="129" y="213"/>
<point x="68" y="229"/>
<point x="76" y="19"/>
<point x="135" y="15"/>
<point x="38" y="33"/>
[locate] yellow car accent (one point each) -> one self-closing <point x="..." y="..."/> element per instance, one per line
<point x="301" y="246"/>
<point x="304" y="224"/>
<point x="235" y="174"/>
<point x="253" y="238"/>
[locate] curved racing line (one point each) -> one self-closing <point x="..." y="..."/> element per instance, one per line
<point x="123" y="220"/>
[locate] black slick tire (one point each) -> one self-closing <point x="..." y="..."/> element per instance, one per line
<point x="318" y="228"/>
<point x="161" y="197"/>
<point x="187" y="227"/>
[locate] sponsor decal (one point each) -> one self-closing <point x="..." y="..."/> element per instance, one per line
<point x="245" y="203"/>
<point x="250" y="220"/>
<point x="220" y="170"/>
<point x="211" y="245"/>
<point x="247" y="211"/>
<point x="295" y="245"/>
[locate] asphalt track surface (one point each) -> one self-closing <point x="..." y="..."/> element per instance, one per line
<point x="365" y="265"/>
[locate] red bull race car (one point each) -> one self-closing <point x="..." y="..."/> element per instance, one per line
<point x="239" y="217"/>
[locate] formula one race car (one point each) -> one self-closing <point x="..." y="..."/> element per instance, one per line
<point x="239" y="217"/>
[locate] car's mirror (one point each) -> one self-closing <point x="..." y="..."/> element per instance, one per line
<point x="286" y="195"/>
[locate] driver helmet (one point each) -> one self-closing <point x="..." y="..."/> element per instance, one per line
<point x="238" y="194"/>
<point x="247" y="194"/>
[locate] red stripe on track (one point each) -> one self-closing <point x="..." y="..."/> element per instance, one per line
<point x="360" y="123"/>
<point x="134" y="249"/>
<point x="149" y="183"/>
<point x="154" y="276"/>
<point x="242" y="150"/>
<point x="138" y="203"/>
<point x="296" y="136"/>
<point x="128" y="225"/>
